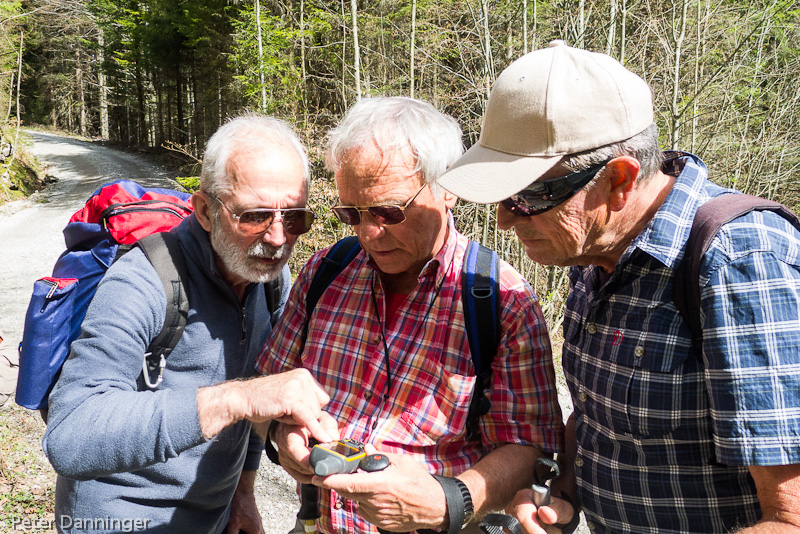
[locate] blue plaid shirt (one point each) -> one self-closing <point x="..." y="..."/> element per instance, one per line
<point x="664" y="434"/>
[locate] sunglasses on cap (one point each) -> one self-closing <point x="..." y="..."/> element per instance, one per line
<point x="542" y="196"/>
<point x="296" y="221"/>
<point x="386" y="214"/>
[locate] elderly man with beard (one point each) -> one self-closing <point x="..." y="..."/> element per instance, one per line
<point x="183" y="457"/>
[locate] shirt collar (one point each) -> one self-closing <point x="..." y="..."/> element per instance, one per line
<point x="665" y="236"/>
<point x="438" y="266"/>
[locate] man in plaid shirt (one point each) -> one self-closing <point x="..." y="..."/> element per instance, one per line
<point x="664" y="437"/>
<point x="387" y="340"/>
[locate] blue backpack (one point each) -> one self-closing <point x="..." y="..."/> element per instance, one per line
<point x="480" y="296"/>
<point x="116" y="217"/>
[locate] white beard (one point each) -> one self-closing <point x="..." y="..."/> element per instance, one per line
<point x="241" y="262"/>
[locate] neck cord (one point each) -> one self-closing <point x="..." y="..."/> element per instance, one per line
<point x="383" y="332"/>
<point x="385" y="344"/>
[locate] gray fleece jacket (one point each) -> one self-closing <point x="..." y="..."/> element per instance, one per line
<point x="129" y="458"/>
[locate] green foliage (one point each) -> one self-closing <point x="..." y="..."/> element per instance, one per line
<point x="278" y="62"/>
<point x="190" y="183"/>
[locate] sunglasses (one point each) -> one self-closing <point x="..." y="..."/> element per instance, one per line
<point x="386" y="214"/>
<point x="542" y="196"/>
<point x="296" y="221"/>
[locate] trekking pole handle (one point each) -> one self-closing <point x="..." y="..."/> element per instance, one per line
<point x="541" y="491"/>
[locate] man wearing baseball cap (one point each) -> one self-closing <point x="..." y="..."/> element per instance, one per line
<point x="666" y="436"/>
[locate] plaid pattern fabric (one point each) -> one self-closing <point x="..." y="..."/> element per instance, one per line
<point x="432" y="377"/>
<point x="665" y="434"/>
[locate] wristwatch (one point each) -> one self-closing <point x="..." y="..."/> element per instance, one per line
<point x="460" y="510"/>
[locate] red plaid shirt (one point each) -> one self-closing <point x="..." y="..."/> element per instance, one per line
<point x="432" y="375"/>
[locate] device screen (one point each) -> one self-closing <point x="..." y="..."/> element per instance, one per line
<point x="344" y="450"/>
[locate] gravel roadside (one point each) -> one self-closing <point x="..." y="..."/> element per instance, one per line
<point x="31" y="241"/>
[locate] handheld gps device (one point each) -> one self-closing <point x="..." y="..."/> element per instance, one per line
<point x="344" y="456"/>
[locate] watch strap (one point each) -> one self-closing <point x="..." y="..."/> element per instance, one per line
<point x="495" y="523"/>
<point x="459" y="502"/>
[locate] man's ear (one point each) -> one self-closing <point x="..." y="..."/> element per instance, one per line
<point x="202" y="209"/>
<point x="623" y="173"/>
<point x="449" y="199"/>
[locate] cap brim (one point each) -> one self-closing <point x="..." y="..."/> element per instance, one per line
<point x="485" y="176"/>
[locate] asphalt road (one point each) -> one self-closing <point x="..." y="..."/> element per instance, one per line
<point x="31" y="241"/>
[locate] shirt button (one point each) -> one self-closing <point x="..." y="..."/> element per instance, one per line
<point x="638" y="351"/>
<point x="367" y="395"/>
<point x="579" y="462"/>
<point x="591" y="328"/>
<point x="339" y="504"/>
<point x="583" y="397"/>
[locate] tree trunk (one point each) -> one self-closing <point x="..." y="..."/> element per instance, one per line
<point x="344" y="57"/>
<point x="623" y="27"/>
<point x="525" y="26"/>
<point x="81" y="94"/>
<point x="19" y="80"/>
<point x="303" y="86"/>
<point x="413" y="37"/>
<point x="488" y="73"/>
<point x="261" y="58"/>
<point x="676" y="112"/>
<point x="356" y="48"/>
<point x="612" y="26"/>
<point x="101" y="80"/>
<point x="181" y="126"/>
<point x="141" y="117"/>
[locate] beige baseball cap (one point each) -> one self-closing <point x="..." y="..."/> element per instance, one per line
<point x="545" y="105"/>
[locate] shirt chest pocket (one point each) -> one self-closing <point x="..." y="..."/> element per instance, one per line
<point x="438" y="412"/>
<point x="658" y="387"/>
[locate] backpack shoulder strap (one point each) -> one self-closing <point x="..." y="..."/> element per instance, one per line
<point x="708" y="220"/>
<point x="164" y="252"/>
<point x="338" y="257"/>
<point x="272" y="292"/>
<point x="480" y="295"/>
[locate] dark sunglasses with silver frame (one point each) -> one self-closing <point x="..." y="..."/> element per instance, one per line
<point x="296" y="221"/>
<point x="540" y="197"/>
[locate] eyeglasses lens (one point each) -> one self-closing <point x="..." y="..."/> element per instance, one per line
<point x="387" y="214"/>
<point x="349" y="216"/>
<point x="527" y="203"/>
<point x="256" y="220"/>
<point x="540" y="197"/>
<point x="298" y="222"/>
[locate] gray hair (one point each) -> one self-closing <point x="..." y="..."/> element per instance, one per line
<point x="249" y="132"/>
<point x="430" y="136"/>
<point x="642" y="146"/>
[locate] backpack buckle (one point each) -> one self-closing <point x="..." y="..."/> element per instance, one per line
<point x="482" y="291"/>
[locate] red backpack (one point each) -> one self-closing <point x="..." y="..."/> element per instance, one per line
<point x="116" y="217"/>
